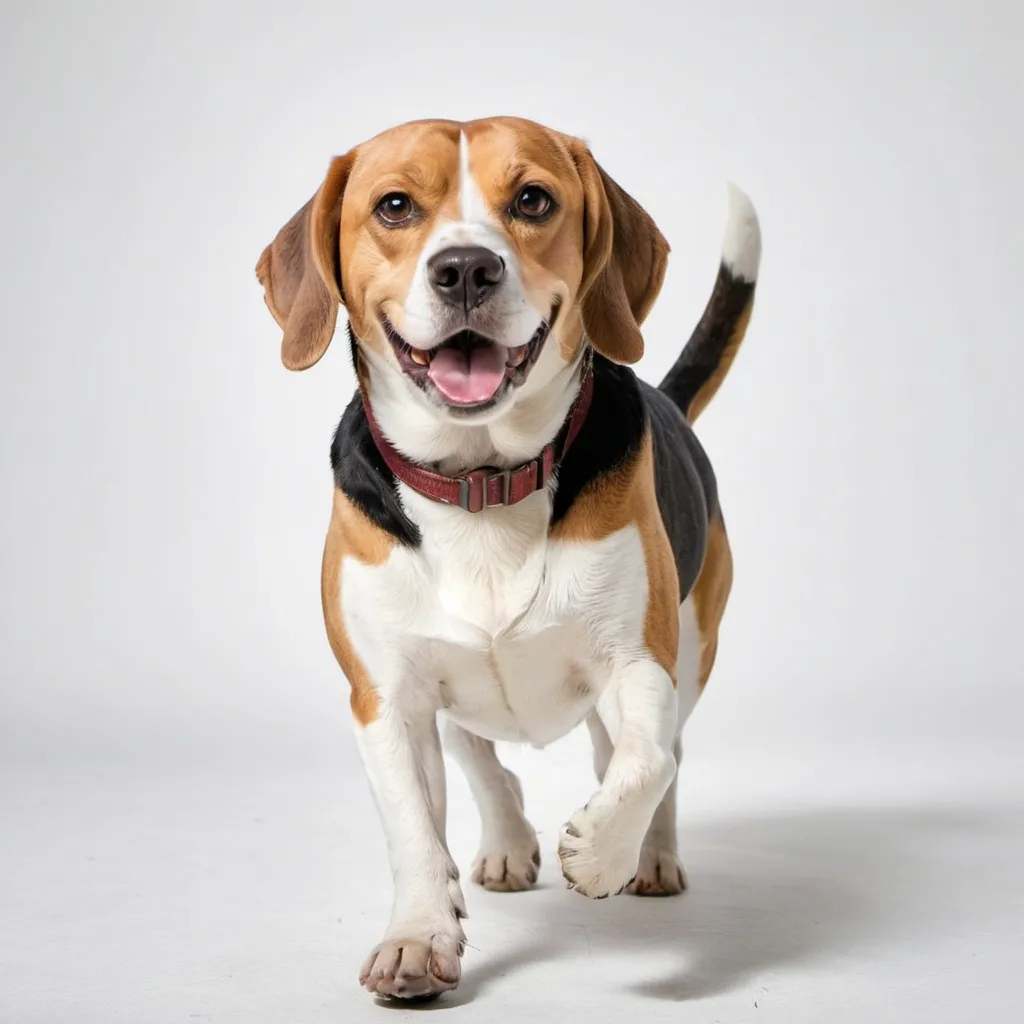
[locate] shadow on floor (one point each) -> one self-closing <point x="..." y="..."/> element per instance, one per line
<point x="765" y="892"/>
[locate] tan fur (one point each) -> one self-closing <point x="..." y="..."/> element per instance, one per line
<point x="618" y="499"/>
<point x="300" y="274"/>
<point x="626" y="257"/>
<point x="421" y="160"/>
<point x="350" y="535"/>
<point x="711" y="593"/>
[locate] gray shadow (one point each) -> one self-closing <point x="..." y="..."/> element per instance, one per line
<point x="766" y="892"/>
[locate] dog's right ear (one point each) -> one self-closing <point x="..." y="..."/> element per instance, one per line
<point x="625" y="257"/>
<point x="301" y="271"/>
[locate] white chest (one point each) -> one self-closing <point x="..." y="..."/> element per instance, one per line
<point x="504" y="628"/>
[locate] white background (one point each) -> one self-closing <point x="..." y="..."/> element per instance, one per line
<point x="186" y="833"/>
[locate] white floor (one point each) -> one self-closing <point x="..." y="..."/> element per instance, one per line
<point x="818" y="893"/>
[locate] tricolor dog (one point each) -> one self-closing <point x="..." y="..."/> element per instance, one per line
<point x="524" y="535"/>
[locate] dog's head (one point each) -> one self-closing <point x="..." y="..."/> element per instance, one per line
<point x="472" y="261"/>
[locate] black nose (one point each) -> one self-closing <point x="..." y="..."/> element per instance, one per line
<point x="465" y="276"/>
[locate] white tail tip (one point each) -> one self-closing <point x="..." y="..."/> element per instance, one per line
<point x="741" y="247"/>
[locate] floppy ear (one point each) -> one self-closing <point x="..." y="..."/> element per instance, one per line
<point x="624" y="262"/>
<point x="301" y="272"/>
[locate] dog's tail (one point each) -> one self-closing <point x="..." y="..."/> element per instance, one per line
<point x="703" y="364"/>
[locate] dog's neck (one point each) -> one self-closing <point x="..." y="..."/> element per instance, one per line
<point x="426" y="435"/>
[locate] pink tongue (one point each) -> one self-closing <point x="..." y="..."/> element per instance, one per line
<point x="468" y="378"/>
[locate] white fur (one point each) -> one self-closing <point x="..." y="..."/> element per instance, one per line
<point x="472" y="205"/>
<point x="741" y="246"/>
<point x="688" y="661"/>
<point x="498" y="626"/>
<point x="507" y="437"/>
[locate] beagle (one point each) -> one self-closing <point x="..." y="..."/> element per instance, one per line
<point x="524" y="535"/>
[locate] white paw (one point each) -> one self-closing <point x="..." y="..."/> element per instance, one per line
<point x="414" y="968"/>
<point x="508" y="870"/>
<point x="598" y="858"/>
<point x="658" y="874"/>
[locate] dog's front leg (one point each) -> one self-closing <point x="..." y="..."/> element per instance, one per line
<point x="421" y="949"/>
<point x="600" y="845"/>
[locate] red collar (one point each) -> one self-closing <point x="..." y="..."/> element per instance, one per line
<point x="480" y="488"/>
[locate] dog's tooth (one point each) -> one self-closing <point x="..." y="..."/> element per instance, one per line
<point x="517" y="355"/>
<point x="419" y="357"/>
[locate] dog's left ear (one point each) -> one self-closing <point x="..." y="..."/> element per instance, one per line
<point x="624" y="262"/>
<point x="301" y="271"/>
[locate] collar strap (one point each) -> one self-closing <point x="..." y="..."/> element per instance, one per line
<point x="481" y="488"/>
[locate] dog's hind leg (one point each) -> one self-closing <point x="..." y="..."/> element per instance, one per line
<point x="509" y="855"/>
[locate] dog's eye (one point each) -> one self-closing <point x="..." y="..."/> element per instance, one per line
<point x="533" y="203"/>
<point x="395" y="208"/>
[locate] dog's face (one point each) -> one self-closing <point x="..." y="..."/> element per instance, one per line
<point x="471" y="260"/>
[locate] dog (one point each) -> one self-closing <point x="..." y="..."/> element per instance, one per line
<point x="524" y="535"/>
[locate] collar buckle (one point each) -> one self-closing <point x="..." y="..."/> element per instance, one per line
<point x="474" y="488"/>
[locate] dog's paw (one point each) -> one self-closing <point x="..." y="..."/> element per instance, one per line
<point x="597" y="858"/>
<point x="511" y="870"/>
<point x="414" y="968"/>
<point x="658" y="874"/>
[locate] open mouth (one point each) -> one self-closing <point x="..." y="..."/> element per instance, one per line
<point x="469" y="370"/>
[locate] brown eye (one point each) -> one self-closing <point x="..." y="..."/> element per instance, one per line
<point x="533" y="203"/>
<point x="395" y="208"/>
